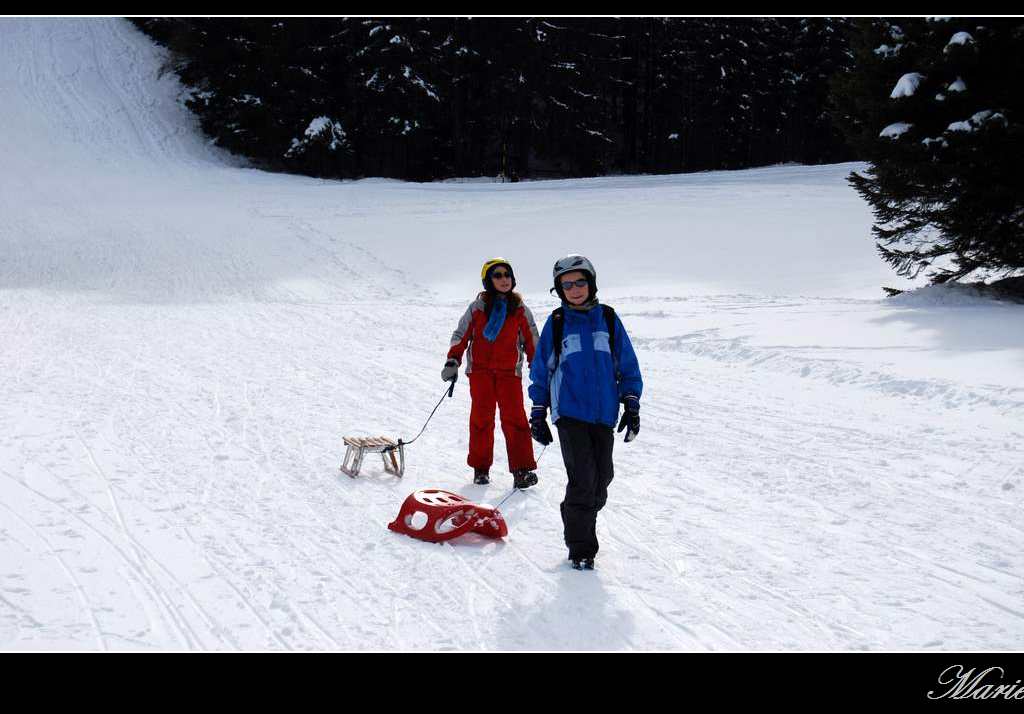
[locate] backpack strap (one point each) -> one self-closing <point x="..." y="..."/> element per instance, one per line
<point x="557" y="329"/>
<point x="609" y="318"/>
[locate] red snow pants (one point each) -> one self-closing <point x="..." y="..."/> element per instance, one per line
<point x="502" y="389"/>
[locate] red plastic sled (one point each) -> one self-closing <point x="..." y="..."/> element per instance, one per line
<point x="435" y="516"/>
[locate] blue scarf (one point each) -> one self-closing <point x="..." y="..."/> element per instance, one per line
<point x="497" y="319"/>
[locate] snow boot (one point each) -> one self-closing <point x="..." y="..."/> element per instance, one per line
<point x="583" y="564"/>
<point x="523" y="478"/>
<point x="481" y="477"/>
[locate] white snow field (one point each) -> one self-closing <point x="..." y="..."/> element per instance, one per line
<point x="184" y="342"/>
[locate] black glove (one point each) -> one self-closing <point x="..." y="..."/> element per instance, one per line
<point x="630" y="417"/>
<point x="450" y="373"/>
<point x="539" y="426"/>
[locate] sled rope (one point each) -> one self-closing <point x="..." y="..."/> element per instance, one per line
<point x="447" y="393"/>
<point x="517" y="490"/>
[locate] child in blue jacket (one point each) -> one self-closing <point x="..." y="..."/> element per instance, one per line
<point x="584" y="367"/>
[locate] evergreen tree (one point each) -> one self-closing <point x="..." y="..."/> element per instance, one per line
<point x="395" y="78"/>
<point x="428" y="98"/>
<point x="577" y="136"/>
<point x="821" y="51"/>
<point x="467" y="56"/>
<point x="935" y="109"/>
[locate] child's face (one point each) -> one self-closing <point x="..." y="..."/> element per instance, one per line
<point x="575" y="294"/>
<point x="501" y="278"/>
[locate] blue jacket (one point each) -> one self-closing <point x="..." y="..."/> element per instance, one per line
<point x="584" y="385"/>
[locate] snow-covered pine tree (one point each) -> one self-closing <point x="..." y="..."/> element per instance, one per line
<point x="638" y="84"/>
<point x="233" y="67"/>
<point x="739" y="75"/>
<point x="265" y="88"/>
<point x="428" y="98"/>
<point x="677" y="113"/>
<point x="319" y="103"/>
<point x="769" y="51"/>
<point x="685" y="71"/>
<point x="935" y="107"/>
<point x="576" y="134"/>
<point x="395" y="78"/>
<point x="821" y="51"/>
<point x="467" y="63"/>
<point x="511" y="76"/>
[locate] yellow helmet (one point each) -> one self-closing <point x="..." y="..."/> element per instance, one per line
<point x="488" y="265"/>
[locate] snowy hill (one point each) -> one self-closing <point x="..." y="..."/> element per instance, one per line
<point x="185" y="341"/>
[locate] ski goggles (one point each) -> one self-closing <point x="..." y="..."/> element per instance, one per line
<point x="581" y="283"/>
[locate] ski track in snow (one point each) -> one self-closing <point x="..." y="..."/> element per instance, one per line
<point x="185" y="341"/>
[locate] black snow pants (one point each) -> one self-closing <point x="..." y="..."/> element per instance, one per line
<point x="587" y="452"/>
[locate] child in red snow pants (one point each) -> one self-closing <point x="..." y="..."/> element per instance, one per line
<point x="502" y="389"/>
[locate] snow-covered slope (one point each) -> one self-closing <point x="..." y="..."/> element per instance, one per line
<point x="185" y="341"/>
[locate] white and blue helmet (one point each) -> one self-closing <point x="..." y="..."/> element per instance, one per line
<point x="572" y="263"/>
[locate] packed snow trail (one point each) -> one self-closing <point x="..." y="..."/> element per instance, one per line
<point x="185" y="341"/>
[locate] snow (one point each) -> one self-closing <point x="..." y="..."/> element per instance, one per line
<point x="894" y="131"/>
<point x="957" y="86"/>
<point x="949" y="294"/>
<point x="316" y="127"/>
<point x="406" y="125"/>
<point x="427" y="89"/>
<point x="907" y="85"/>
<point x="186" y="340"/>
<point x="976" y="121"/>
<point x="960" y="38"/>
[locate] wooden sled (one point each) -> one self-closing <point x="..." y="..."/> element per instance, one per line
<point x="357" y="447"/>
